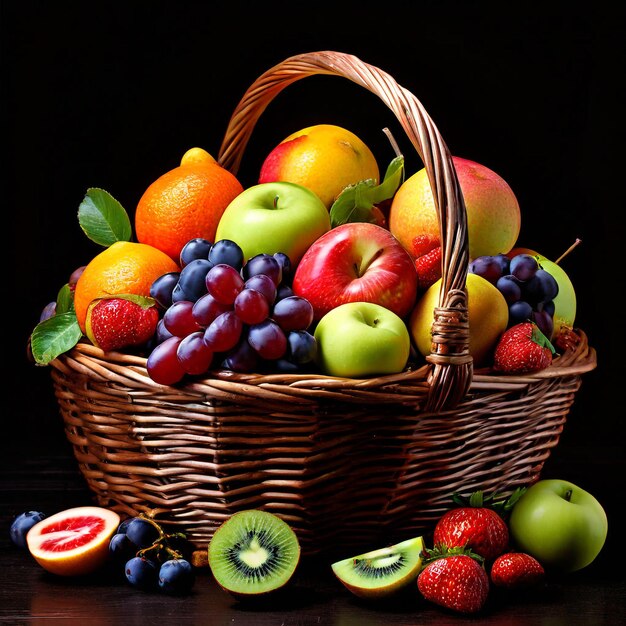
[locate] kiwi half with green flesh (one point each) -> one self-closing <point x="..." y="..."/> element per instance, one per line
<point x="381" y="572"/>
<point x="253" y="553"/>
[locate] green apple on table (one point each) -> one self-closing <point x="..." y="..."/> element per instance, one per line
<point x="274" y="217"/>
<point x="359" y="339"/>
<point x="563" y="526"/>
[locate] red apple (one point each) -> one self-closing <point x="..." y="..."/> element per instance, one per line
<point x="357" y="262"/>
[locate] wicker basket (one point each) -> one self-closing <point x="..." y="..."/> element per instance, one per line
<point x="346" y="462"/>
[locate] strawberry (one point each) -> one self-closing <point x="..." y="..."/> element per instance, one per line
<point x="121" y="321"/>
<point x="427" y="254"/>
<point x="455" y="579"/>
<point x="515" y="570"/>
<point x="522" y="349"/>
<point x="477" y="524"/>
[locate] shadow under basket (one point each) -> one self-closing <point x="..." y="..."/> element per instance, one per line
<point x="350" y="464"/>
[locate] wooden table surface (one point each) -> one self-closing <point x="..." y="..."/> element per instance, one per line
<point x="51" y="482"/>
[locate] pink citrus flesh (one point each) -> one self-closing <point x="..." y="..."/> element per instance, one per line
<point x="73" y="542"/>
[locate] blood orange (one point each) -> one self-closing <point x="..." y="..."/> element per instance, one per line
<point x="73" y="542"/>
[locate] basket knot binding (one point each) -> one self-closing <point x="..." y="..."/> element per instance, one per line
<point x="450" y="350"/>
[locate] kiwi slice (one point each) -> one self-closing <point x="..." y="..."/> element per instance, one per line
<point x="253" y="553"/>
<point x="381" y="572"/>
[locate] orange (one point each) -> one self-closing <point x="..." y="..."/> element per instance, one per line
<point x="124" y="267"/>
<point x="324" y="158"/>
<point x="184" y="203"/>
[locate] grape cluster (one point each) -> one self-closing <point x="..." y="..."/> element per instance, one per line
<point x="528" y="289"/>
<point x="152" y="558"/>
<point x="221" y="311"/>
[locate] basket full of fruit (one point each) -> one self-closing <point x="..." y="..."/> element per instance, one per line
<point x="336" y="347"/>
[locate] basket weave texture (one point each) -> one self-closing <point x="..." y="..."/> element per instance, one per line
<point x="346" y="462"/>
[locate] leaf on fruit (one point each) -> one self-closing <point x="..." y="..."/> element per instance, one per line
<point x="103" y="219"/>
<point x="145" y="302"/>
<point x="65" y="300"/>
<point x="356" y="202"/>
<point x="54" y="336"/>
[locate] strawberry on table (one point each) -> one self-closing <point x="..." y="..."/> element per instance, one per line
<point x="523" y="349"/>
<point x="516" y="570"/>
<point x="455" y="579"/>
<point x="477" y="523"/>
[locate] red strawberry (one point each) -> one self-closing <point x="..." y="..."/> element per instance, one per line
<point x="476" y="524"/>
<point x="121" y="321"/>
<point x="515" y="570"/>
<point x="455" y="579"/>
<point x="427" y="254"/>
<point x="522" y="349"/>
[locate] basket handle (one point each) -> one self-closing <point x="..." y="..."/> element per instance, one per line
<point x="451" y="370"/>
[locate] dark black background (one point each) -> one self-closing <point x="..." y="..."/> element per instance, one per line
<point x="112" y="94"/>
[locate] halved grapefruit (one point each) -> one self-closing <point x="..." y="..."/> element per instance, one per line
<point x="73" y="542"/>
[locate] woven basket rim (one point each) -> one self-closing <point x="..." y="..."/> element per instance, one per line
<point x="578" y="359"/>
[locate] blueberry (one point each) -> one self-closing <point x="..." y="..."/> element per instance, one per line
<point x="142" y="573"/>
<point x="176" y="576"/>
<point x="141" y="532"/>
<point x="22" y="524"/>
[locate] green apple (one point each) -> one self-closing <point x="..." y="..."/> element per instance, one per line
<point x="560" y="524"/>
<point x="359" y="339"/>
<point x="274" y="217"/>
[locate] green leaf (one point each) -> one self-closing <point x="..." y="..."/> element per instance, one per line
<point x="54" y="336"/>
<point x="355" y="202"/>
<point x="65" y="300"/>
<point x="145" y="302"/>
<point x="103" y="219"/>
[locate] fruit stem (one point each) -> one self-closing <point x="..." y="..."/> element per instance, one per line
<point x="568" y="495"/>
<point x="276" y="201"/>
<point x="576" y="243"/>
<point x="393" y="142"/>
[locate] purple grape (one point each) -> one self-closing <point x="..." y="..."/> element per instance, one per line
<point x="141" y="533"/>
<point x="544" y="321"/>
<point x="224" y="332"/>
<point x="542" y="287"/>
<point x="194" y="354"/>
<point x="161" y="333"/>
<point x="197" y="248"/>
<point x="178" y="294"/>
<point x="293" y="313"/>
<point x="179" y="320"/>
<point x="163" y="287"/>
<point x="504" y="262"/>
<point x="285" y="265"/>
<point x="523" y="266"/>
<point x="22" y="524"/>
<point x="283" y="291"/>
<point x="548" y="307"/>
<point x="264" y="284"/>
<point x="251" y="306"/>
<point x="207" y="308"/>
<point x="509" y="287"/>
<point x="241" y="358"/>
<point x="226" y="252"/>
<point x="302" y="347"/>
<point x="264" y="264"/>
<point x="519" y="311"/>
<point x="224" y="283"/>
<point x="268" y="339"/>
<point x="487" y="267"/>
<point x="193" y="278"/>
<point x="48" y="311"/>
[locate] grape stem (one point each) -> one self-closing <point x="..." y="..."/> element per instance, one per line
<point x="576" y="243"/>
<point x="161" y="542"/>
